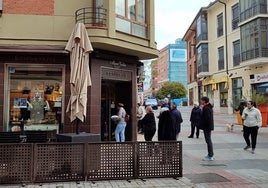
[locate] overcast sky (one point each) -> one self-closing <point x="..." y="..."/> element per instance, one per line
<point x="173" y="18"/>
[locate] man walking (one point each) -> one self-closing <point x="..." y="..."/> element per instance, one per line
<point x="207" y="124"/>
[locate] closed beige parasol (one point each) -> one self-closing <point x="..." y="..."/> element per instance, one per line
<point x="79" y="47"/>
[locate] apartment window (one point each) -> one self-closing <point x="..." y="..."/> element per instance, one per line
<point x="190" y="49"/>
<point x="201" y="28"/>
<point x="254" y="39"/>
<point x="202" y="58"/>
<point x="130" y="17"/>
<point x="194" y="47"/>
<point x="190" y="73"/>
<point x="236" y="53"/>
<point x="120" y="7"/>
<point x="237" y="85"/>
<point x="250" y="8"/>
<point x="263" y="35"/>
<point x="235" y="16"/>
<point x="195" y="71"/>
<point x="220" y="58"/>
<point x="99" y="12"/>
<point x="35" y="97"/>
<point x="220" y="25"/>
<point x="210" y="93"/>
<point x="141" y="11"/>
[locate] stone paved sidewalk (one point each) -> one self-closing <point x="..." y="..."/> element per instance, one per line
<point x="147" y="183"/>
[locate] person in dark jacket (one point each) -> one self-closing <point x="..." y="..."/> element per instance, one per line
<point x="176" y="118"/>
<point x="195" y="120"/>
<point x="148" y="123"/>
<point x="166" y="132"/>
<point x="149" y="129"/>
<point x="166" y="128"/>
<point x="207" y="124"/>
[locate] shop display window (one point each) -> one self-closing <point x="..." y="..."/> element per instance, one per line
<point x="223" y="94"/>
<point x="35" y="98"/>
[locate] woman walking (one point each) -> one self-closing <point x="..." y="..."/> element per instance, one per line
<point x="148" y="123"/>
<point x="252" y="121"/>
<point x="121" y="125"/>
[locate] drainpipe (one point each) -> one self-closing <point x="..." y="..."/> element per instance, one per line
<point x="225" y="23"/>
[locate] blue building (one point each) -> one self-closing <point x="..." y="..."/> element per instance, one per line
<point x="177" y="62"/>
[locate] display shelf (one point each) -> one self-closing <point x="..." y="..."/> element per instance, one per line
<point x="41" y="127"/>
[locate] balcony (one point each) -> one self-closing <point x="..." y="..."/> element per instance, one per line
<point x="105" y="34"/>
<point x="201" y="37"/>
<point x="92" y="17"/>
<point x="254" y="57"/>
<point x="254" y="53"/>
<point x="253" y="11"/>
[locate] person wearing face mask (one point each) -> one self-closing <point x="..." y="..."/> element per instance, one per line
<point x="252" y="121"/>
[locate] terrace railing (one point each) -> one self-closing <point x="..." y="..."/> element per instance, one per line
<point x="60" y="162"/>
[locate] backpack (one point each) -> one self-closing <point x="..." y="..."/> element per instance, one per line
<point x="127" y="117"/>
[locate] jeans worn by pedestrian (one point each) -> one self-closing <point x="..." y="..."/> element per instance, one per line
<point x="207" y="135"/>
<point x="120" y="132"/>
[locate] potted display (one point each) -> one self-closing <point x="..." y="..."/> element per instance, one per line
<point x="261" y="101"/>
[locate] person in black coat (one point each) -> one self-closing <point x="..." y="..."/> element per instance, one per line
<point x="207" y="125"/>
<point x="166" y="132"/>
<point x="195" y="120"/>
<point x="148" y="123"/>
<point x="166" y="128"/>
<point x="176" y="118"/>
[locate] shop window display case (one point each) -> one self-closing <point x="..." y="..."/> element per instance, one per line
<point x="35" y="100"/>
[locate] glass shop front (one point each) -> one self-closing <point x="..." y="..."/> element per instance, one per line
<point x="34" y="97"/>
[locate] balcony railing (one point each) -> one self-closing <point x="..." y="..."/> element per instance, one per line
<point x="92" y="16"/>
<point x="202" y="37"/>
<point x="253" y="11"/>
<point x="253" y="53"/>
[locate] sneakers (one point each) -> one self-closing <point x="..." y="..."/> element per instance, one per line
<point x="253" y="151"/>
<point x="190" y="136"/>
<point x="247" y="147"/>
<point x="208" y="158"/>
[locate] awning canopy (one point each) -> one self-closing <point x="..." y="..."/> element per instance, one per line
<point x="215" y="81"/>
<point x="263" y="88"/>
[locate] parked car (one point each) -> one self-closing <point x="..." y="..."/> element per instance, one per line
<point x="152" y="102"/>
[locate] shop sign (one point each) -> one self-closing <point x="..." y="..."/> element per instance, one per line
<point x="259" y="78"/>
<point x="35" y="59"/>
<point x="115" y="74"/>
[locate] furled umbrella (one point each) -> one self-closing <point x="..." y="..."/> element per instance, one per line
<point x="79" y="47"/>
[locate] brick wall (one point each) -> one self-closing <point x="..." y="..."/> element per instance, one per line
<point x="30" y="7"/>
